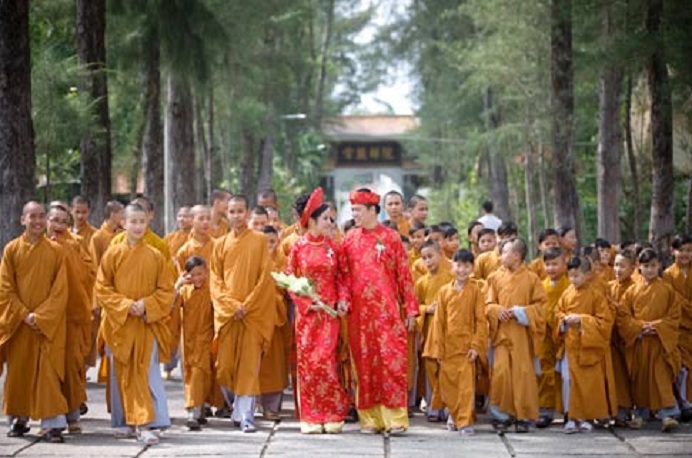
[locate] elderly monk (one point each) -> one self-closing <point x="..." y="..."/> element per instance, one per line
<point x="81" y="274"/>
<point x="134" y="287"/>
<point x="243" y="294"/>
<point x="33" y="298"/>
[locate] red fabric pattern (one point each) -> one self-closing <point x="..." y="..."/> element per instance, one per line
<point x="382" y="293"/>
<point x="321" y="397"/>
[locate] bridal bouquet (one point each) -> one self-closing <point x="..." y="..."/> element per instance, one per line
<point x="301" y="286"/>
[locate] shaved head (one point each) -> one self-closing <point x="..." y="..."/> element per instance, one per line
<point x="32" y="206"/>
<point x="200" y="209"/>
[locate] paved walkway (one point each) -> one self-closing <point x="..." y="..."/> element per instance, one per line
<point x="282" y="439"/>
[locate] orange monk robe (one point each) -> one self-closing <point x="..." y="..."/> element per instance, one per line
<point x="548" y="384"/>
<point x="274" y="368"/>
<point x="197" y="337"/>
<point x="607" y="274"/>
<point x="127" y="274"/>
<point x="538" y="267"/>
<point x="681" y="282"/>
<point x="426" y="289"/>
<point x="100" y="241"/>
<point x="623" y="385"/>
<point x="459" y="325"/>
<point x="240" y="268"/>
<point x="294" y="228"/>
<point x="514" y="387"/>
<point x="193" y="247"/>
<point x="587" y="352"/>
<point x="220" y="230"/>
<point x="403" y="227"/>
<point x="486" y="264"/>
<point x="86" y="232"/>
<point x="33" y="278"/>
<point x="81" y="273"/>
<point x="653" y="360"/>
<point x="175" y="240"/>
<point x="287" y="242"/>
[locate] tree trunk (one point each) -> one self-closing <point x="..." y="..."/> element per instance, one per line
<point x="266" y="170"/>
<point x="632" y="159"/>
<point x="688" y="214"/>
<point x="95" y="146"/>
<point x="324" y="62"/>
<point x="204" y="166"/>
<point x="541" y="182"/>
<point x="181" y="144"/>
<point x="152" y="143"/>
<point x="212" y="163"/>
<point x="529" y="193"/>
<point x="566" y="200"/>
<point x="499" y="191"/>
<point x="661" y="225"/>
<point x="609" y="138"/>
<point x="247" y="168"/>
<point x="17" y="158"/>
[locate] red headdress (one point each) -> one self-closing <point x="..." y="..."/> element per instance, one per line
<point x="315" y="201"/>
<point x="364" y="198"/>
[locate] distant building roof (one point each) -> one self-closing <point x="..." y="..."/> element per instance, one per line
<point x="368" y="127"/>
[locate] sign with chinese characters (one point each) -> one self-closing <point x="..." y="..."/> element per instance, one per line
<point x="368" y="153"/>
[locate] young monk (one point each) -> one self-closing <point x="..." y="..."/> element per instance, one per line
<point x="416" y="237"/>
<point x="678" y="276"/>
<point x="134" y="287"/>
<point x="472" y="236"/>
<point x="582" y="332"/>
<point x="274" y="218"/>
<point x="625" y="262"/>
<point x="243" y="294"/>
<point x="459" y="337"/>
<point x="259" y="218"/>
<point x="268" y="198"/>
<point x="490" y="261"/>
<point x="194" y="301"/>
<point x="111" y="226"/>
<point x="651" y="332"/>
<point x="556" y="282"/>
<point x="568" y="241"/>
<point x="418" y="209"/>
<point x="219" y="209"/>
<point x="426" y="289"/>
<point x="487" y="240"/>
<point x="81" y="210"/>
<point x="515" y="308"/>
<point x="200" y="243"/>
<point x="451" y="242"/>
<point x="394" y="207"/>
<point x="177" y="238"/>
<point x="605" y="251"/>
<point x="547" y="239"/>
<point x="33" y="300"/>
<point x="81" y="274"/>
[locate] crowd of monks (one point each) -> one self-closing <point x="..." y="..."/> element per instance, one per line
<point x="597" y="336"/>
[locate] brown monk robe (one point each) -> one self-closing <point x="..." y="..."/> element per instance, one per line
<point x="623" y="385"/>
<point x="219" y="207"/>
<point x="81" y="274"/>
<point x="134" y="287"/>
<point x="81" y="210"/>
<point x="582" y="332"/>
<point x="200" y="243"/>
<point x="33" y="300"/>
<point x="486" y="264"/>
<point x="177" y="238"/>
<point x="426" y="289"/>
<point x="515" y="309"/>
<point x="243" y="294"/>
<point x="459" y="326"/>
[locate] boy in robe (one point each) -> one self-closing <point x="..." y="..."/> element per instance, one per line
<point x="259" y="218"/>
<point x="33" y="300"/>
<point x="134" y="287"/>
<point x="197" y="317"/>
<point x="243" y="294"/>
<point x="219" y="210"/>
<point x="556" y="282"/>
<point x="472" y="236"/>
<point x="451" y="242"/>
<point x="459" y="337"/>
<point x="678" y="276"/>
<point x="487" y="240"/>
<point x="426" y="289"/>
<point x="416" y="237"/>
<point x="418" y="209"/>
<point x="490" y="261"/>
<point x="81" y="274"/>
<point x="81" y="210"/>
<point x="274" y="218"/>
<point x="582" y="332"/>
<point x="516" y="305"/>
<point x="625" y="263"/>
<point x="568" y="241"/>
<point x="394" y="207"/>
<point x="547" y="239"/>
<point x="650" y="331"/>
<point x="274" y="368"/>
<point x="605" y="257"/>
<point x="177" y="238"/>
<point x="200" y="243"/>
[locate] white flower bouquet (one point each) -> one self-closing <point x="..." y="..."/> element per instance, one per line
<point x="301" y="286"/>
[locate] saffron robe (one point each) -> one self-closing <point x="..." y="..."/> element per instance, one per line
<point x="586" y="349"/>
<point x="86" y="232"/>
<point x="514" y="386"/>
<point x="623" y="384"/>
<point x="321" y="397"/>
<point x="682" y="284"/>
<point x="459" y="325"/>
<point x="220" y="230"/>
<point x="127" y="274"/>
<point x="240" y="268"/>
<point x="33" y="279"/>
<point x="101" y="240"/>
<point x="193" y="247"/>
<point x="175" y="240"/>
<point x="379" y="279"/>
<point x="538" y="267"/>
<point x="486" y="264"/>
<point x="653" y="360"/>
